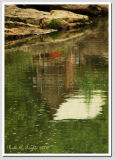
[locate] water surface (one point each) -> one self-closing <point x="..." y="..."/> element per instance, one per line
<point x="56" y="92"/>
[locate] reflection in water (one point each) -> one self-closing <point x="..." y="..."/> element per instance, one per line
<point x="48" y="82"/>
<point x="61" y="74"/>
<point x="76" y="108"/>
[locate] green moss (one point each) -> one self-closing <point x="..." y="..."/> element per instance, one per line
<point x="10" y="25"/>
<point x="53" y="24"/>
<point x="84" y="20"/>
<point x="6" y="26"/>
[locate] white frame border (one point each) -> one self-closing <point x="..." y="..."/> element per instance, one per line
<point x="109" y="97"/>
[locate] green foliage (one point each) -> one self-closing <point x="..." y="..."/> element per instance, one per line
<point x="53" y="24"/>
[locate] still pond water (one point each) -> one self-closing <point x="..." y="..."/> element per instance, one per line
<point x="56" y="92"/>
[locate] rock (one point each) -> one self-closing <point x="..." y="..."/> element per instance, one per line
<point x="92" y="10"/>
<point x="86" y="9"/>
<point x="21" y="32"/>
<point x="14" y="24"/>
<point x="63" y="19"/>
<point x="104" y="9"/>
<point x="32" y="16"/>
<point x="20" y="22"/>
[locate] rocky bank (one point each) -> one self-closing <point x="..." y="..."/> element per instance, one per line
<point x="26" y="20"/>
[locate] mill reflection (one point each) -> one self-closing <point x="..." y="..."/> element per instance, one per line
<point x="71" y="64"/>
<point x="55" y="76"/>
<point x="57" y="80"/>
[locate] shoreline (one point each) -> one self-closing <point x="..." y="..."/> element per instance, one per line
<point x="24" y="22"/>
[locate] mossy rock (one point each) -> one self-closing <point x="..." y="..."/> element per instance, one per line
<point x="55" y="24"/>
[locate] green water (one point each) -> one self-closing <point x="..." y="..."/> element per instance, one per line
<point x="56" y="93"/>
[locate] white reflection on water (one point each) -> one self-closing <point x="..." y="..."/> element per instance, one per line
<point x="76" y="108"/>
